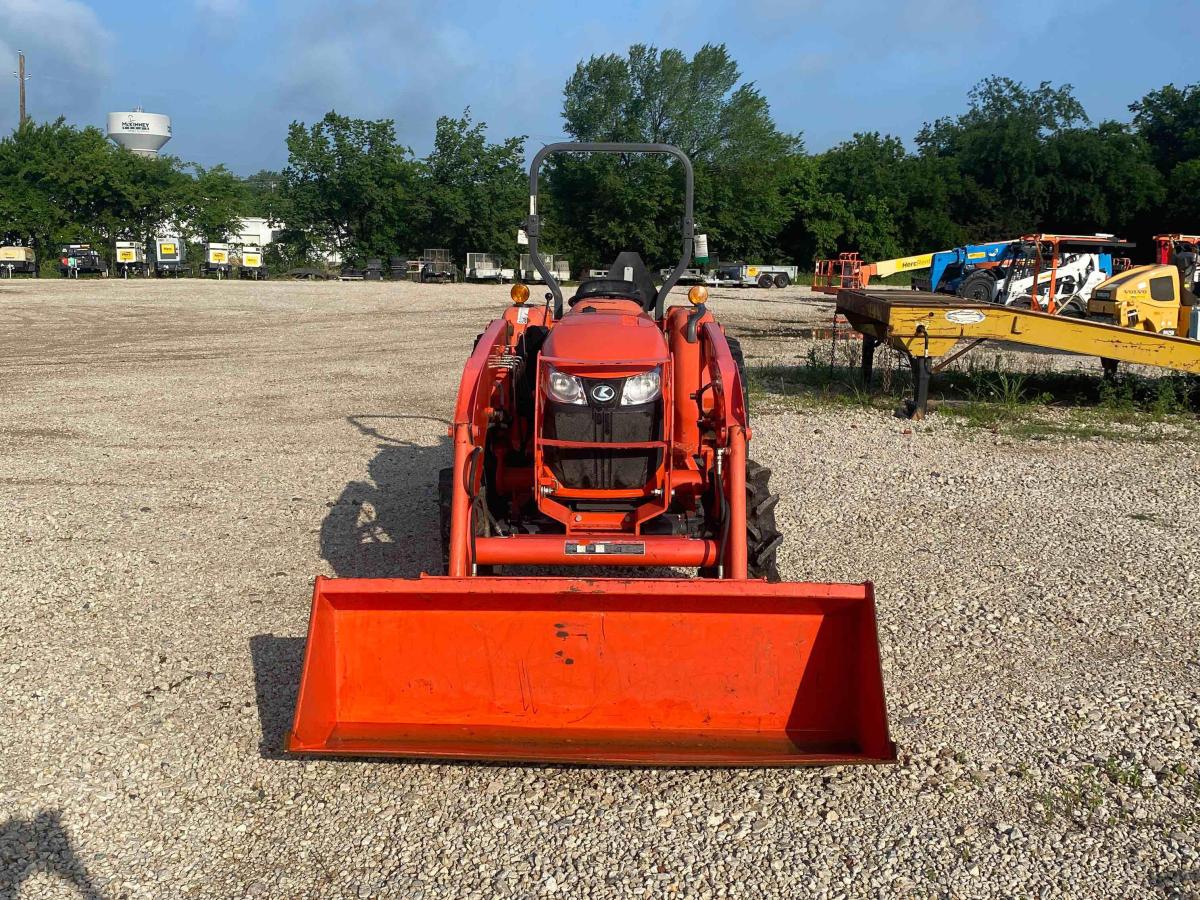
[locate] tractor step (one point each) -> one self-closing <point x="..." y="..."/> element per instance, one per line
<point x="593" y="671"/>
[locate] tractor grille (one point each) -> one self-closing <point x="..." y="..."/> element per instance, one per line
<point x="595" y="467"/>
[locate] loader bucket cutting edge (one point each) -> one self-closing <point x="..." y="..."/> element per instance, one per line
<point x="604" y="671"/>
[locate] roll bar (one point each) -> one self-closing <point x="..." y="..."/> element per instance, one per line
<point x="533" y="223"/>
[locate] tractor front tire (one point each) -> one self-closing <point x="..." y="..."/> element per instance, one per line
<point x="762" y="534"/>
<point x="445" y="506"/>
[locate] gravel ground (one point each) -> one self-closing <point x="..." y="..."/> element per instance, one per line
<point x="179" y="459"/>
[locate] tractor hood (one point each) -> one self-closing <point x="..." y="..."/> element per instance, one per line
<point x="606" y="331"/>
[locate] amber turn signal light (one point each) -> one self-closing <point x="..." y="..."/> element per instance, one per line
<point x="698" y="294"/>
<point x="519" y="293"/>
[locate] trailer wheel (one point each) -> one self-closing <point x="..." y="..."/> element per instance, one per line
<point x="978" y="286"/>
<point x="765" y="281"/>
<point x="782" y="280"/>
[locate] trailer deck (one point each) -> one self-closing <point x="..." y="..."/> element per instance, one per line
<point x="927" y="326"/>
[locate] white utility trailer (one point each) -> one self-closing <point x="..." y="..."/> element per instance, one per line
<point x="758" y="275"/>
<point x="529" y="274"/>
<point x="487" y="267"/>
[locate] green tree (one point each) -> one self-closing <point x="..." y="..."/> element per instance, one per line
<point x="64" y="184"/>
<point x="1169" y="120"/>
<point x="348" y="187"/>
<point x="1100" y="179"/>
<point x="211" y="204"/>
<point x="865" y="173"/>
<point x="999" y="148"/>
<point x="599" y="206"/>
<point x="260" y="193"/>
<point x="474" y="191"/>
<point x="35" y="202"/>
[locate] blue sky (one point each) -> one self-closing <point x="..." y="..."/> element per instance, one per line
<point x="233" y="73"/>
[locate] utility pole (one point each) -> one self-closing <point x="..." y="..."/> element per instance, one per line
<point x="21" y="79"/>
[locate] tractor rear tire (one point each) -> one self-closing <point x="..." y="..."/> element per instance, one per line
<point x="739" y="359"/>
<point x="978" y="286"/>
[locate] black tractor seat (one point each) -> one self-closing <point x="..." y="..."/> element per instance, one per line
<point x="608" y="287"/>
<point x="627" y="279"/>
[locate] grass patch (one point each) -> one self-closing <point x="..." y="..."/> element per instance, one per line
<point x="988" y="393"/>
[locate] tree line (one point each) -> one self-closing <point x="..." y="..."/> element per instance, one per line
<point x="1017" y="159"/>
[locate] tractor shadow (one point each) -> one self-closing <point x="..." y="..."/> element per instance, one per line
<point x="387" y="525"/>
<point x="29" y="847"/>
<point x="382" y="526"/>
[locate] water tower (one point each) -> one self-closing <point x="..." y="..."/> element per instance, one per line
<point x="142" y="132"/>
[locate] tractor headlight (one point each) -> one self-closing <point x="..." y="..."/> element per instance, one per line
<point x="642" y="388"/>
<point x="565" y="388"/>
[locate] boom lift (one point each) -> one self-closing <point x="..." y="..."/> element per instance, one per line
<point x="1183" y="252"/>
<point x="947" y="268"/>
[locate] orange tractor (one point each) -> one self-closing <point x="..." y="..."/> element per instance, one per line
<point x="609" y="430"/>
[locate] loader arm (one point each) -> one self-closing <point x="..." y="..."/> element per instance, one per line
<point x="476" y="394"/>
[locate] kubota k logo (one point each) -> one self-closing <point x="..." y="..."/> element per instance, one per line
<point x="602" y="393"/>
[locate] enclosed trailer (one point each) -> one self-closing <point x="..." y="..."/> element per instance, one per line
<point x="251" y="263"/>
<point x="218" y="259"/>
<point x="170" y="255"/>
<point x="130" y="258"/>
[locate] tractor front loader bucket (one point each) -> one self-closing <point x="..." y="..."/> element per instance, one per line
<point x="604" y="671"/>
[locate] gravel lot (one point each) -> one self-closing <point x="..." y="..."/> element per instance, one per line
<point x="179" y="459"/>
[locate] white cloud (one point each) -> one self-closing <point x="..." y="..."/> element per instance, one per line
<point x="379" y="59"/>
<point x="67" y="54"/>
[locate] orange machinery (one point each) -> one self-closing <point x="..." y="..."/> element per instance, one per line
<point x="1166" y="246"/>
<point x="608" y="430"/>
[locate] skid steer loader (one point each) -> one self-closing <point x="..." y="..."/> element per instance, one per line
<point x="606" y="430"/>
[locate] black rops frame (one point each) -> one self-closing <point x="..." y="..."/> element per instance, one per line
<point x="532" y="224"/>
